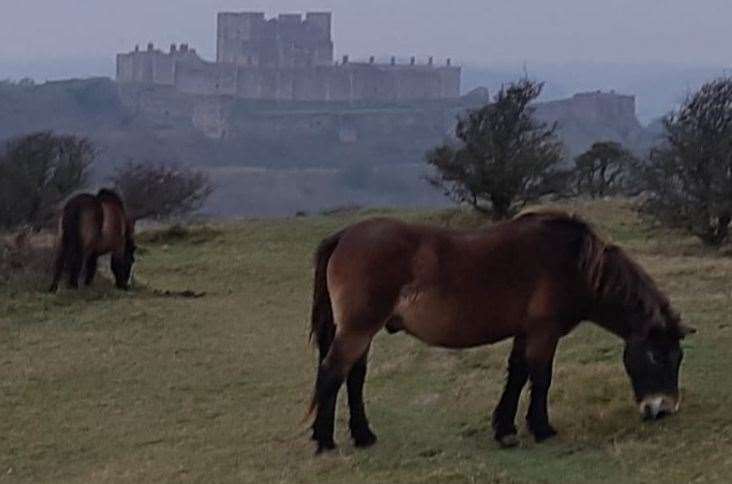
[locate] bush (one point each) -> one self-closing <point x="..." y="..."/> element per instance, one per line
<point x="158" y="190"/>
<point x="689" y="176"/>
<point x="37" y="172"/>
<point x="505" y="157"/>
<point x="603" y="170"/>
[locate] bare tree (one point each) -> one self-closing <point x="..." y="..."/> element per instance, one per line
<point x="153" y="190"/>
<point x="505" y="156"/>
<point x="39" y="170"/>
<point x="690" y="174"/>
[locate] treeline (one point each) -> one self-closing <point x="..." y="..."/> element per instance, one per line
<point x="504" y="158"/>
<point x="39" y="171"/>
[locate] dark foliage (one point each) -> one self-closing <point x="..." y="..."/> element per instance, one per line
<point x="505" y="157"/>
<point x="158" y="190"/>
<point x="604" y="169"/>
<point x="37" y="172"/>
<point x="690" y="175"/>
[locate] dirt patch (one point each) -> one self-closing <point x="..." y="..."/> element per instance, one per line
<point x="187" y="294"/>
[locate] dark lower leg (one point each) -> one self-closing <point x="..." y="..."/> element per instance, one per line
<point x="505" y="412"/>
<point x="117" y="270"/>
<point x="538" y="416"/>
<point x="91" y="269"/>
<point x="326" y="393"/>
<point x="58" y="269"/>
<point x="359" y="424"/>
<point x="75" y="263"/>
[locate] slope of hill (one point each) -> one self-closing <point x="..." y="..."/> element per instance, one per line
<point x="151" y="386"/>
<point x="227" y="136"/>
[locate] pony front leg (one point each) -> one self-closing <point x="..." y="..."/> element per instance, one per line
<point x="505" y="413"/>
<point x="120" y="272"/>
<point x="540" y="357"/>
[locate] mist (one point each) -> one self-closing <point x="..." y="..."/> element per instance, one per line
<point x="475" y="32"/>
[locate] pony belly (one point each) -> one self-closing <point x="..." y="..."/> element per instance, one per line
<point x="446" y="322"/>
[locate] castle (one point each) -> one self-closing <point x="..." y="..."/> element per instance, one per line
<point x="287" y="58"/>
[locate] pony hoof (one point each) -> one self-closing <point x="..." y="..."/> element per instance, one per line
<point x="544" y="434"/>
<point x="364" y="439"/>
<point x="324" y="447"/>
<point x="508" y="441"/>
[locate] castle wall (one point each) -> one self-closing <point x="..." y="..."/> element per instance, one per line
<point x="206" y="79"/>
<point x="287" y="58"/>
<point x="163" y="70"/>
<point x="595" y="107"/>
<point x="125" y="68"/>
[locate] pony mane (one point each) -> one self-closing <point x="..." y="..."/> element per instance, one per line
<point x="624" y="281"/>
<point x="611" y="275"/>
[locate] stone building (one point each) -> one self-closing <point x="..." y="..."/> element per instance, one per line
<point x="287" y="58"/>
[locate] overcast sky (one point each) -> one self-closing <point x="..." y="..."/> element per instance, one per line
<point x="471" y="31"/>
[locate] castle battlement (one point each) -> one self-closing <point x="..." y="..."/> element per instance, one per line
<point x="289" y="57"/>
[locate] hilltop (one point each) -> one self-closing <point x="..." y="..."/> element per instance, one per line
<point x="371" y="153"/>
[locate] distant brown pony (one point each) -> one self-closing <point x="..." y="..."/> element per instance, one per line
<point x="92" y="226"/>
<point x="533" y="279"/>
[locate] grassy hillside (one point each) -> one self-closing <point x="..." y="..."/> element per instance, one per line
<point x="154" y="386"/>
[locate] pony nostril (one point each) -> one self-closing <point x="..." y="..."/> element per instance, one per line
<point x="650" y="408"/>
<point x="655" y="408"/>
<point x="647" y="412"/>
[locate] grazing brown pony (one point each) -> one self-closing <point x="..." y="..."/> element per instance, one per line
<point x="533" y="279"/>
<point x="92" y="226"/>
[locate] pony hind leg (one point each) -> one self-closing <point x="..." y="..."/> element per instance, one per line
<point x="75" y="264"/>
<point x="91" y="269"/>
<point x="358" y="423"/>
<point x="346" y="349"/>
<point x="58" y="268"/>
<point x="540" y="356"/>
<point x="505" y="413"/>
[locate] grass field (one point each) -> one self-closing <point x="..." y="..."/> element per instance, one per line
<point x="147" y="386"/>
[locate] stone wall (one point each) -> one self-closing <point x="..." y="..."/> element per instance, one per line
<point x="287" y="58"/>
<point x="348" y="81"/>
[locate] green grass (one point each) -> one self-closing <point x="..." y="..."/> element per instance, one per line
<point x="138" y="387"/>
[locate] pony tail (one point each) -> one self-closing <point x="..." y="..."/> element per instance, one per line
<point x="322" y="325"/>
<point x="69" y="246"/>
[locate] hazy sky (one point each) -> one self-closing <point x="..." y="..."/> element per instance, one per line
<point x="471" y="31"/>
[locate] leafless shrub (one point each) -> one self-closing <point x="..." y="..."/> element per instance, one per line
<point x="155" y="190"/>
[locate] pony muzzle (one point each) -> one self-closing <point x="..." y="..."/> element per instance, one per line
<point x="654" y="407"/>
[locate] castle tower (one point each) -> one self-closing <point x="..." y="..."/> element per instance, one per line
<point x="288" y="41"/>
